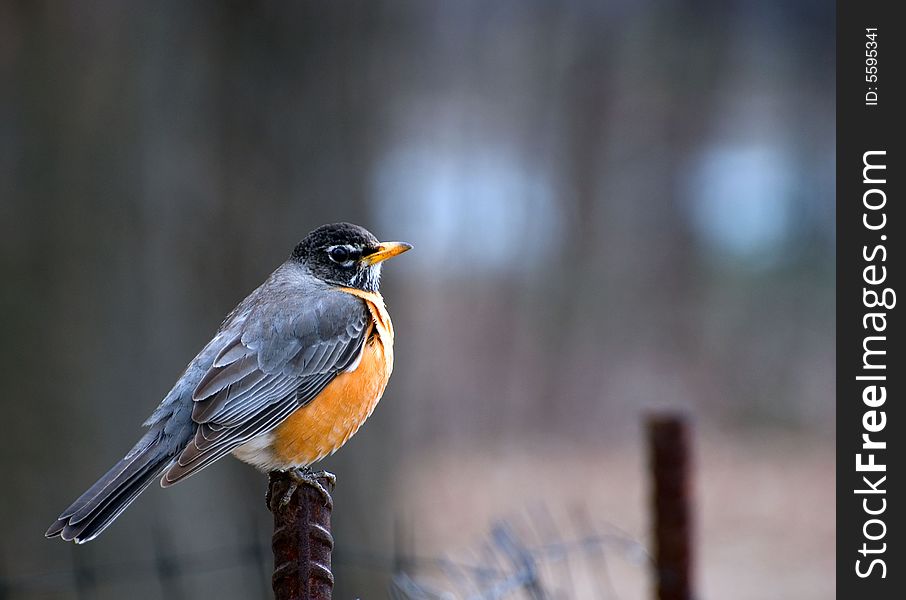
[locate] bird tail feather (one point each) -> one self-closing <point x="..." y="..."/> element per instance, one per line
<point x="104" y="501"/>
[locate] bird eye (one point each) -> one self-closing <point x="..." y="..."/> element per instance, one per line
<point x="341" y="254"/>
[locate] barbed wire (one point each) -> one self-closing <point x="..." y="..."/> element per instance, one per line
<point x="511" y="565"/>
<point x="506" y="563"/>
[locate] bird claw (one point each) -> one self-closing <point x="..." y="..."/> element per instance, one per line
<point x="305" y="476"/>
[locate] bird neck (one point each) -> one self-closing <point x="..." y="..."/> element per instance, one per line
<point x="378" y="309"/>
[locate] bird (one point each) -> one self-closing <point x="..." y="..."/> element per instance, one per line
<point x="290" y="375"/>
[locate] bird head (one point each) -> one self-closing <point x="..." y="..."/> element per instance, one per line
<point x="347" y="255"/>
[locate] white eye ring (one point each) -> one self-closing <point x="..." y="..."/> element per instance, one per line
<point x="344" y="255"/>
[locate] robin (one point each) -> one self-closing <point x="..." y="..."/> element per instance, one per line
<point x="291" y="374"/>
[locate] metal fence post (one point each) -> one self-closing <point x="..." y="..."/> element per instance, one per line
<point x="302" y="540"/>
<point x="671" y="467"/>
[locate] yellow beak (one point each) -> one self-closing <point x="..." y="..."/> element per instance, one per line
<point x="386" y="250"/>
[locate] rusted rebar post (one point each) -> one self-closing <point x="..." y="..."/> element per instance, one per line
<point x="671" y="465"/>
<point x="302" y="540"/>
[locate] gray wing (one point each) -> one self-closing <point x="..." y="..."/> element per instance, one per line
<point x="288" y="350"/>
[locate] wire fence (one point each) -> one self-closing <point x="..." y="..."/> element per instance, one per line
<point x="84" y="580"/>
<point x="530" y="556"/>
<point x="536" y="555"/>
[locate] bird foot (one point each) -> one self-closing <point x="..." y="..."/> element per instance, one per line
<point x="304" y="476"/>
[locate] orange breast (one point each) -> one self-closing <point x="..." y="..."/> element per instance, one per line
<point x="323" y="425"/>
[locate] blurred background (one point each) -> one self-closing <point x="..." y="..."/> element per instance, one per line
<point x="616" y="207"/>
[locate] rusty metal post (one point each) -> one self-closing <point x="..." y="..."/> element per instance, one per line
<point x="671" y="468"/>
<point x="302" y="540"/>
